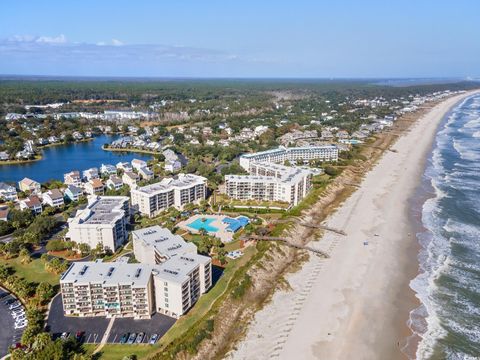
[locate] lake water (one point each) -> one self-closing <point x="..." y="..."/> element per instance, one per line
<point x="58" y="160"/>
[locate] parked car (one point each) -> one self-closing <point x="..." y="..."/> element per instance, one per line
<point x="140" y="337"/>
<point x="124" y="338"/>
<point x="9" y="301"/>
<point x="79" y="335"/>
<point x="131" y="338"/>
<point x="64" y="336"/>
<point x="19" y="316"/>
<point x="17" y="311"/>
<point x="153" y="339"/>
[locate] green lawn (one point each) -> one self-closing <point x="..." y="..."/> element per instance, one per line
<point x="118" y="351"/>
<point x="33" y="272"/>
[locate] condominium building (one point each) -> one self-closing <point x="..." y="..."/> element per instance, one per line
<point x="155" y="245"/>
<point x="170" y="278"/>
<point x="270" y="182"/>
<point x="181" y="275"/>
<point x="177" y="191"/>
<point x="292" y="154"/>
<point x="108" y="289"/>
<point x="103" y="221"/>
<point x="180" y="281"/>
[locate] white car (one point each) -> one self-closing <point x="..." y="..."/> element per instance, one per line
<point x="15" y="305"/>
<point x="18" y="315"/>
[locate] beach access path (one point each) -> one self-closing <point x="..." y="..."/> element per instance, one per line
<point x="355" y="304"/>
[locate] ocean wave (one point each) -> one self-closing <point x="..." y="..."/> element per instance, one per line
<point x="448" y="283"/>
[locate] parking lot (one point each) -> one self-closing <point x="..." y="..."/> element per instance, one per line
<point x="8" y="334"/>
<point x="95" y="327"/>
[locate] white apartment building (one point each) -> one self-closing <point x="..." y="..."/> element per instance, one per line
<point x="292" y="154"/>
<point x="270" y="182"/>
<point x="180" y="281"/>
<point x="181" y="275"/>
<point x="108" y="289"/>
<point x="155" y="245"/>
<point x="103" y="221"/>
<point x="178" y="191"/>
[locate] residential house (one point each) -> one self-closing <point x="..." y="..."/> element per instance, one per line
<point x="4" y="156"/>
<point x="172" y="166"/>
<point x="107" y="169"/>
<point x="95" y="187"/>
<point x="125" y="166"/>
<point x="90" y="174"/>
<point x="32" y="203"/>
<point x="73" y="193"/>
<point x="130" y="178"/>
<point x="138" y="164"/>
<point x="53" y="197"/>
<point x="146" y="173"/>
<point x="8" y="192"/>
<point x="72" y="178"/>
<point x="29" y="185"/>
<point x="114" y="183"/>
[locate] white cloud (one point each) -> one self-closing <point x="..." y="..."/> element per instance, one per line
<point x="116" y="42"/>
<point x="60" y="39"/>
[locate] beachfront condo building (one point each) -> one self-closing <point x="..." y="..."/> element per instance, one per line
<point x="291" y="154"/>
<point x="181" y="275"/>
<point x="104" y="221"/>
<point x="155" y="245"/>
<point x="177" y="191"/>
<point x="169" y="279"/>
<point x="108" y="289"/>
<point x="270" y="182"/>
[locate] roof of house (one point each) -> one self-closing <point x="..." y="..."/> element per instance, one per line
<point x="96" y="183"/>
<point x="32" y="201"/>
<point x="54" y="194"/>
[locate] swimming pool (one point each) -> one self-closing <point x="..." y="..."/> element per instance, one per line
<point x="203" y="223"/>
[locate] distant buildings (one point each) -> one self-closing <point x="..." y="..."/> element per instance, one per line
<point x="177" y="191"/>
<point x="90" y="174"/>
<point x="103" y="221"/>
<point x="138" y="164"/>
<point x="114" y="183"/>
<point x="107" y="169"/>
<point x="293" y="154"/>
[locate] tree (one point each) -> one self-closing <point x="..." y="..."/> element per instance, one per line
<point x="44" y="292"/>
<point x="84" y="249"/>
<point x="25" y="256"/>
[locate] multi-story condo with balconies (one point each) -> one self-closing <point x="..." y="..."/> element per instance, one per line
<point x="292" y="154"/>
<point x="108" y="289"/>
<point x="180" y="281"/>
<point x="170" y="278"/>
<point x="103" y="221"/>
<point x="178" y="191"/>
<point x="270" y="182"/>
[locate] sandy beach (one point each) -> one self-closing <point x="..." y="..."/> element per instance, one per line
<point x="355" y="304"/>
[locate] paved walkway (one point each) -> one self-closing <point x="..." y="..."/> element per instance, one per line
<point x="105" y="337"/>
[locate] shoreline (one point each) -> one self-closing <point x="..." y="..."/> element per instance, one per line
<point x="148" y="152"/>
<point x="356" y="304"/>
<point x="39" y="156"/>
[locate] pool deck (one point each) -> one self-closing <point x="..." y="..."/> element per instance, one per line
<point x="222" y="233"/>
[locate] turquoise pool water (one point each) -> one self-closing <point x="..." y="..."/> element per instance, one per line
<point x="203" y="223"/>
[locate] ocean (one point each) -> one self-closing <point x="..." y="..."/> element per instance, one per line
<point x="447" y="323"/>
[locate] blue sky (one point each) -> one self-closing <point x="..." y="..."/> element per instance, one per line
<point x="187" y="38"/>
